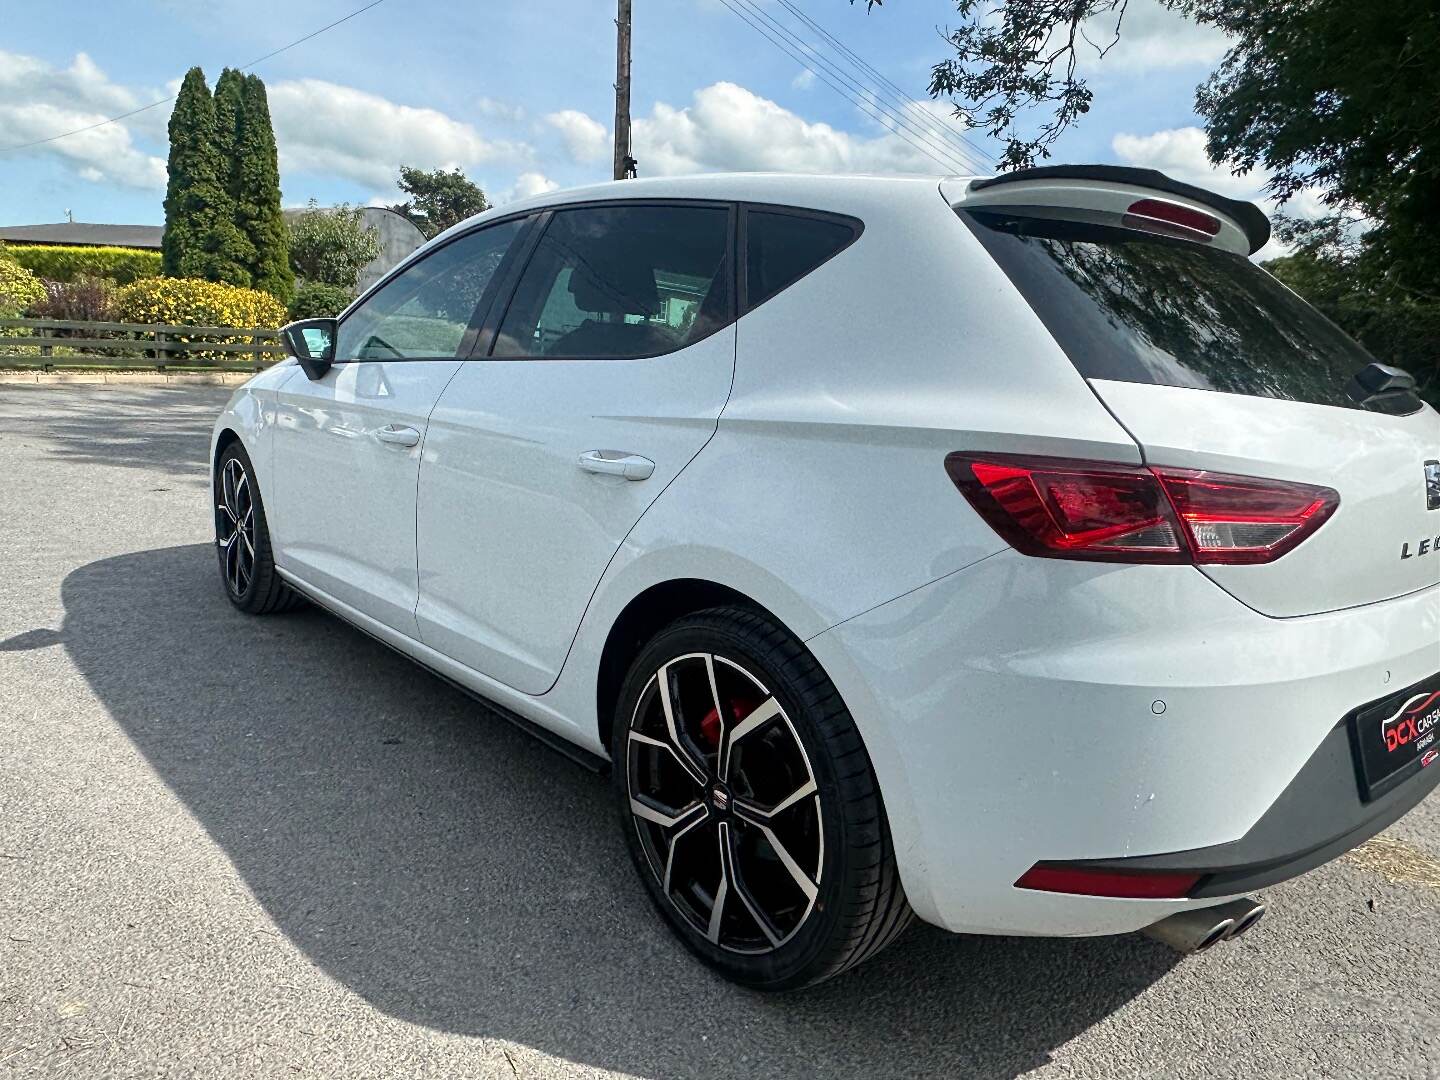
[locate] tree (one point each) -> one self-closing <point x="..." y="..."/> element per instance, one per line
<point x="331" y="246"/>
<point x="257" y="193"/>
<point x="1327" y="269"/>
<point x="1323" y="94"/>
<point x="200" y="238"/>
<point x="229" y="91"/>
<point x="438" y="199"/>
<point x="1343" y="97"/>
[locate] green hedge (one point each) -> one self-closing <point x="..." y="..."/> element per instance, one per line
<point x="56" y="262"/>
<point x="316" y="300"/>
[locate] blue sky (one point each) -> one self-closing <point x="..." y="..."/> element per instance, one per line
<point x="518" y="93"/>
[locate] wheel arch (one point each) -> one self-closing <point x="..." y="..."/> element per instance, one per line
<point x="224" y="437"/>
<point x="646" y="614"/>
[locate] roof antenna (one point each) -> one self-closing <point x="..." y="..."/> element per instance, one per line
<point x="70" y="216"/>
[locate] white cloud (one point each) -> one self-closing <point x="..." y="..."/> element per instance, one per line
<point x="1152" y="38"/>
<point x="585" y="138"/>
<point x="38" y="101"/>
<point x="492" y="109"/>
<point x="1180" y="154"/>
<point x="727" y="127"/>
<point x="804" y="80"/>
<point x="526" y="186"/>
<point x="325" y="128"/>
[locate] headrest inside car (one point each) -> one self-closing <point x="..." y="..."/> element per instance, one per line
<point x="624" y="289"/>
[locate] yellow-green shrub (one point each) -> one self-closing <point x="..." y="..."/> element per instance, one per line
<point x="61" y="262"/>
<point x="19" y="288"/>
<point x="189" y="301"/>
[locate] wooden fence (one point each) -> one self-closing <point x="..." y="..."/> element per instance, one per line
<point x="52" y="343"/>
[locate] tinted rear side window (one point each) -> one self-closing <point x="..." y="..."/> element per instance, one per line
<point x="1136" y="308"/>
<point x="782" y="248"/>
<point x="616" y="282"/>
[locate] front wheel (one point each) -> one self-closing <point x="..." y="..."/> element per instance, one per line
<point x="242" y="539"/>
<point x="750" y="805"/>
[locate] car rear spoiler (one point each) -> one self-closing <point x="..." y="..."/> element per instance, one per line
<point x="1249" y="217"/>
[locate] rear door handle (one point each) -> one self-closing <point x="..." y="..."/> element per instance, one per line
<point x="397" y="435"/>
<point x="617" y="463"/>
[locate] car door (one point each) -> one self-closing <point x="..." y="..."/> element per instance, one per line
<point x="347" y="446"/>
<point x="605" y="376"/>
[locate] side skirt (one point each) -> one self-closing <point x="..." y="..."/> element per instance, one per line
<point x="578" y="754"/>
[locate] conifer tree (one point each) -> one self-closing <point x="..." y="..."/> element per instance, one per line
<point x="201" y="239"/>
<point x="257" y="195"/>
<point x="192" y="137"/>
<point x="229" y="94"/>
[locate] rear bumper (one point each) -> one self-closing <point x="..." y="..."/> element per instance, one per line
<point x="1318" y="817"/>
<point x="1030" y="710"/>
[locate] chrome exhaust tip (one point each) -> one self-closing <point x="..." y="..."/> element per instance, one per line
<point x="1245" y="913"/>
<point x="1192" y="931"/>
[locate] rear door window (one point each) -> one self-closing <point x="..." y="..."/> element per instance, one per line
<point x="1139" y="308"/>
<point x="782" y="247"/>
<point x="618" y="282"/>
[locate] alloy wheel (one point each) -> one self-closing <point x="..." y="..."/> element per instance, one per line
<point x="235" y="527"/>
<point x="725" y="803"/>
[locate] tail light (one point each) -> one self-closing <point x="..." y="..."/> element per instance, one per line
<point x="1094" y="881"/>
<point x="1171" y="219"/>
<point x="1063" y="509"/>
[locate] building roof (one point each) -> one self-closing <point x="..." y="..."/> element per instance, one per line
<point x="86" y="235"/>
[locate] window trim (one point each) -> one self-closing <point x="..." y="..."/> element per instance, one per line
<point x="489" y="334"/>
<point x="856" y="226"/>
<point x="475" y="326"/>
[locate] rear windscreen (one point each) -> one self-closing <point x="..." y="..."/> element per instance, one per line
<point x="1146" y="309"/>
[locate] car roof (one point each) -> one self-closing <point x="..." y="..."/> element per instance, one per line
<point x="730" y="186"/>
<point x="819" y="191"/>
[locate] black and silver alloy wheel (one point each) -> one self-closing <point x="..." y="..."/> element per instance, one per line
<point x="749" y="803"/>
<point x="235" y="527"/>
<point x="725" y="803"/>
<point x="242" y="539"/>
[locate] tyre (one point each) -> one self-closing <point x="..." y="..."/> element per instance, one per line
<point x="750" y="805"/>
<point x="242" y="539"/>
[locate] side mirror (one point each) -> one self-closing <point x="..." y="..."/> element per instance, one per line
<point x="312" y="342"/>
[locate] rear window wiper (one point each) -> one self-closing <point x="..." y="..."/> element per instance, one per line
<point x="1384" y="388"/>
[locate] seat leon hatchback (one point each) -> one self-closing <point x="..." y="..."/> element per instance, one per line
<point x="1014" y="552"/>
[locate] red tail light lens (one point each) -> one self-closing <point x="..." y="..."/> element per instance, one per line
<point x="1150" y="213"/>
<point x="1238" y="519"/>
<point x="1059" y="508"/>
<point x="1090" y="881"/>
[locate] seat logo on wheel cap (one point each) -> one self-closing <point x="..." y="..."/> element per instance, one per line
<point x="719" y="797"/>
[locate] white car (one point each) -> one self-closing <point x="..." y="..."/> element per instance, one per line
<point x="1011" y="552"/>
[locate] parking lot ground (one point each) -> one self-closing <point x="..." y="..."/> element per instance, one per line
<point x="235" y="847"/>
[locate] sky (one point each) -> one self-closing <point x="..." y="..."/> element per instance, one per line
<point x="518" y="93"/>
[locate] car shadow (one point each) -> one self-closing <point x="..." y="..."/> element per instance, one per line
<point x="458" y="874"/>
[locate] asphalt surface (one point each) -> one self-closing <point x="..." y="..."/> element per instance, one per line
<point x="237" y="847"/>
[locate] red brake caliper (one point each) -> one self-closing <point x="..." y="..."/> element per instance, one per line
<point x="710" y="722"/>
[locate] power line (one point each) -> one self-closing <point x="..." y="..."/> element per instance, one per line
<point x="166" y="101"/>
<point x="947" y="130"/>
<point x="859" y="103"/>
<point x="868" y="102"/>
<point x="897" y="106"/>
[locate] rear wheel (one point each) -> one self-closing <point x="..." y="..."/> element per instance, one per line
<point x="750" y="805"/>
<point x="242" y="539"/>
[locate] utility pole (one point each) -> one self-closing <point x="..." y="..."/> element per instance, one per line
<point x="624" y="163"/>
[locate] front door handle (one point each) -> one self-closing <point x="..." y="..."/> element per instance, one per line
<point x="617" y="463"/>
<point x="397" y="435"/>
